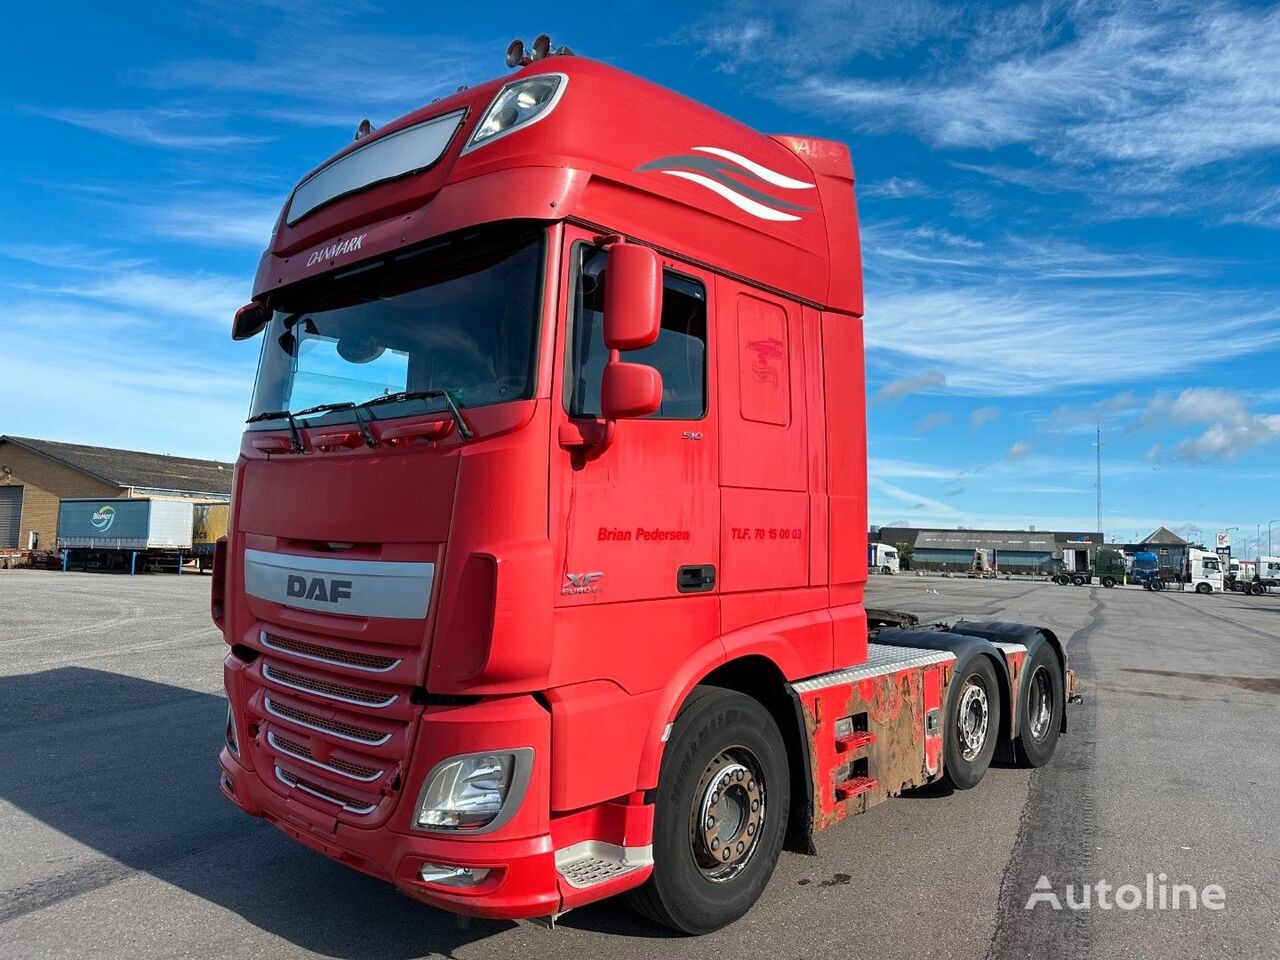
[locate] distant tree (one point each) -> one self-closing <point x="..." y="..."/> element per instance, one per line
<point x="904" y="555"/>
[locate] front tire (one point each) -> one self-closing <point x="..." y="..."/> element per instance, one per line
<point x="721" y="811"/>
<point x="973" y="723"/>
<point x="1108" y="582"/>
<point x="1204" y="588"/>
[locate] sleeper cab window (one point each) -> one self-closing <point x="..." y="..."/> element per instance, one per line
<point x="680" y="353"/>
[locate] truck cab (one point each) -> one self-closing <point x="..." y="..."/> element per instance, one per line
<point x="882" y="558"/>
<point x="1204" y="570"/>
<point x="554" y="478"/>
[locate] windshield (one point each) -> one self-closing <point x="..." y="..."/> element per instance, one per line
<point x="459" y="315"/>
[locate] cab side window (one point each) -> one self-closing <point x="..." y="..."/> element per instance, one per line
<point x="679" y="354"/>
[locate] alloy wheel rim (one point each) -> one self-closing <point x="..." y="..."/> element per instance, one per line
<point x="973" y="718"/>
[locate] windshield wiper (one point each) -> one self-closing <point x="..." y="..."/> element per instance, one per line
<point x="464" y="431"/>
<point x="369" y="439"/>
<point x="294" y="437"/>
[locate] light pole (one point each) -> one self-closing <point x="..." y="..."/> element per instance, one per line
<point x="1269" y="536"/>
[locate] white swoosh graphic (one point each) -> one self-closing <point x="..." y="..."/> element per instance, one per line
<point x="746" y="204"/>
<point x="764" y="173"/>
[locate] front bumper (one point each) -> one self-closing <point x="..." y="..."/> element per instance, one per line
<point x="522" y="879"/>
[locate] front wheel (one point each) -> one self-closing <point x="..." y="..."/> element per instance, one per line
<point x="1108" y="582"/>
<point x="885" y="570"/>
<point x="721" y="812"/>
<point x="1255" y="589"/>
<point x="1204" y="588"/>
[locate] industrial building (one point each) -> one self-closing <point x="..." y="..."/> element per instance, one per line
<point x="1010" y="551"/>
<point x="36" y="474"/>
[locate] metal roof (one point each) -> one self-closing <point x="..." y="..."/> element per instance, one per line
<point x="135" y="468"/>
<point x="1166" y="536"/>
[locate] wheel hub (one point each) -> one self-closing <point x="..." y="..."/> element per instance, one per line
<point x="727" y="814"/>
<point x="973" y="719"/>
<point x="1041" y="703"/>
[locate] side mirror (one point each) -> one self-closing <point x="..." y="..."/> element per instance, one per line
<point x="632" y="297"/>
<point x="249" y="321"/>
<point x="629" y="390"/>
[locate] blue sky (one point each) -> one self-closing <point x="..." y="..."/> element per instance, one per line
<point x="1070" y="213"/>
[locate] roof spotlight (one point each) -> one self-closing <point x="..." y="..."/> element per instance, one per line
<point x="364" y="129"/>
<point x="541" y="47"/>
<point x="515" y="53"/>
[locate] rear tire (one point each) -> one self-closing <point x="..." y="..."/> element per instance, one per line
<point x="972" y="723"/>
<point x="1040" y="707"/>
<point x="1078" y="580"/>
<point x="721" y="812"/>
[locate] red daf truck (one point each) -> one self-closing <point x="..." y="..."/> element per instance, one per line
<point x="544" y="580"/>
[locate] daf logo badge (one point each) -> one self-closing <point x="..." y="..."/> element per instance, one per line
<point x="579" y="583"/>
<point x="318" y="588"/>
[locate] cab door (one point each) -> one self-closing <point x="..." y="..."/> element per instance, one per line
<point x="637" y="522"/>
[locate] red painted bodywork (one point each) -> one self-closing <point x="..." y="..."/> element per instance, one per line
<point x="772" y="491"/>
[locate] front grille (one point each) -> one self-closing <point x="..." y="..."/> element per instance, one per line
<point x="326" y="688"/>
<point x="314" y="651"/>
<point x="339" y="728"/>
<point x="297" y="783"/>
<point x="301" y="751"/>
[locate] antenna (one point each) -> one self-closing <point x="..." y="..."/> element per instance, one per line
<point x="1098" y="486"/>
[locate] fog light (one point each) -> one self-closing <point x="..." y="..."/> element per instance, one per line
<point x="447" y="876"/>
<point x="475" y="791"/>
<point x="233" y="742"/>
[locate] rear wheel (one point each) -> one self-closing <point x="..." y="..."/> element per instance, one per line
<point x="1040" y="713"/>
<point x="1157" y="585"/>
<point x="721" y="812"/>
<point x="1078" y="580"/>
<point x="973" y="723"/>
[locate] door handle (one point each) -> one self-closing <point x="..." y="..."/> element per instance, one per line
<point x="697" y="578"/>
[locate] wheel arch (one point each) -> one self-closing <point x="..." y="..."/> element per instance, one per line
<point x="759" y="677"/>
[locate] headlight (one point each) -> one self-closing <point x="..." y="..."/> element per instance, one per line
<point x="517" y="105"/>
<point x="474" y="792"/>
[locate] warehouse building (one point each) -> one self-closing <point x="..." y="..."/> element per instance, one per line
<point x="36" y="474"/>
<point x="1010" y="551"/>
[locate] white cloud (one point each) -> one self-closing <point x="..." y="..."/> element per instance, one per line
<point x="215" y="220"/>
<point x="1232" y="429"/>
<point x="170" y="128"/>
<point x="932" y="422"/>
<point x="1147" y="84"/>
<point x="1008" y="338"/>
<point x="893" y="188"/>
<point x="895" y="390"/>
<point x="982" y="416"/>
<point x="206" y="297"/>
<point x="1019" y="451"/>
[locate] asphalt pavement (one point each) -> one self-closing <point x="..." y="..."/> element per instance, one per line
<point x="116" y="842"/>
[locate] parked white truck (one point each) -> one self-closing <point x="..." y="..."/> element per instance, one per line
<point x="882" y="558"/>
<point x="1264" y="576"/>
